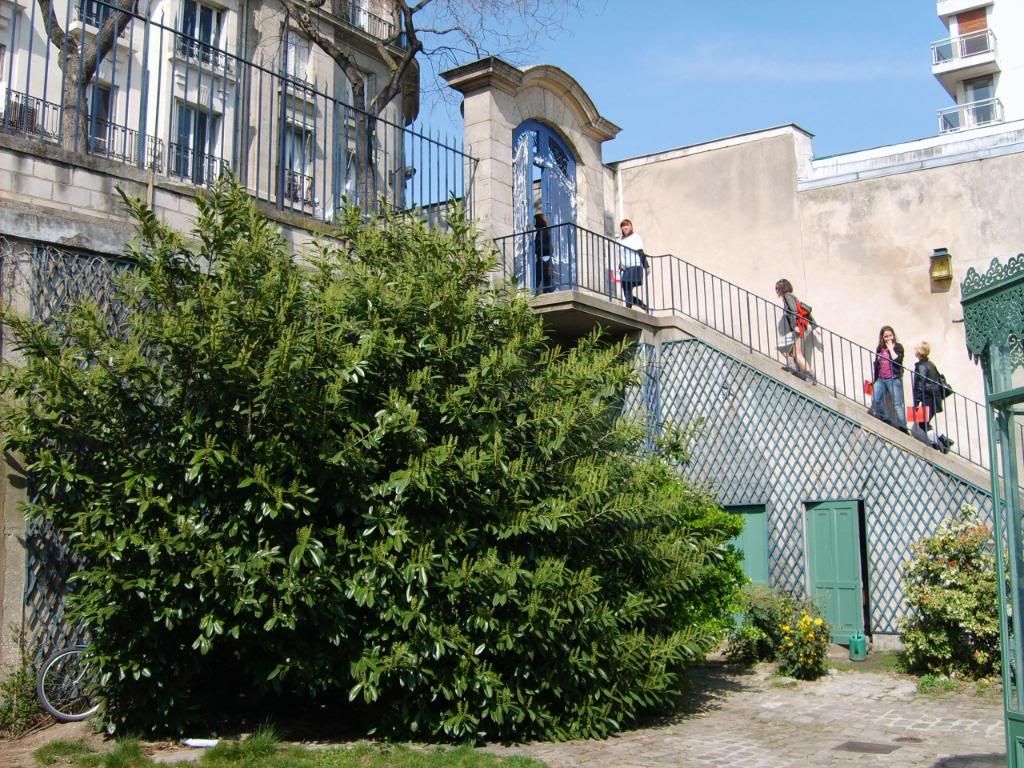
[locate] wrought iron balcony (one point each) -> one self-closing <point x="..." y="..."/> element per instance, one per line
<point x="30" y="116"/>
<point x="196" y="167"/>
<point x="196" y="51"/>
<point x="360" y="18"/>
<point x="95" y="12"/>
<point x="118" y="142"/>
<point x="298" y="188"/>
<point x="963" y="47"/>
<point x="587" y="263"/>
<point x="973" y="114"/>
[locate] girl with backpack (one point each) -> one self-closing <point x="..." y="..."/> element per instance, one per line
<point x="794" y="331"/>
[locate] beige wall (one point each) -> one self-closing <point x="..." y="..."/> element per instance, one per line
<point x="858" y="252"/>
<point x="729" y="208"/>
<point x="867" y="245"/>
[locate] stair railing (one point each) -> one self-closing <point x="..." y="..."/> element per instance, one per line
<point x="587" y="262"/>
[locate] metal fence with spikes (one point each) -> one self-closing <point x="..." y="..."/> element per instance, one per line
<point x="169" y="97"/>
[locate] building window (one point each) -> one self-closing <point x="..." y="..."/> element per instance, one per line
<point x="100" y="109"/>
<point x="979" y="101"/>
<point x="201" y="28"/>
<point x="3" y="62"/>
<point x="299" y="144"/>
<point x="296" y="58"/>
<point x="193" y="154"/>
<point x="359" y="14"/>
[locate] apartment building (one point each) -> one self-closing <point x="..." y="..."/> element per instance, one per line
<point x="980" y="63"/>
<point x="189" y="88"/>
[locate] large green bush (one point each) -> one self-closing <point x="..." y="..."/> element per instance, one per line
<point x="951" y="589"/>
<point x="370" y="480"/>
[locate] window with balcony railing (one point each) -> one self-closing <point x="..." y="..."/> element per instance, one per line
<point x="202" y="29"/>
<point x="297" y="163"/>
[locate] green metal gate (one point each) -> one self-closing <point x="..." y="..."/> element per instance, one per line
<point x="834" y="565"/>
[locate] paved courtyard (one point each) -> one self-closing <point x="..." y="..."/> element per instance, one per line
<point x="850" y="718"/>
<point x="747" y="719"/>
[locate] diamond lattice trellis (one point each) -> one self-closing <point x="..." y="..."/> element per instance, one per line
<point x="45" y="282"/>
<point x="762" y="442"/>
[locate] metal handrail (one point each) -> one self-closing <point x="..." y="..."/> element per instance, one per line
<point x="588" y="262"/>
<point x="963" y="46"/>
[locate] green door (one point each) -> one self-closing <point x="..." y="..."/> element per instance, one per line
<point x="833" y="560"/>
<point x="753" y="542"/>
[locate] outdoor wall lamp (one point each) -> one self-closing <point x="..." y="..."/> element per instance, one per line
<point x="940" y="267"/>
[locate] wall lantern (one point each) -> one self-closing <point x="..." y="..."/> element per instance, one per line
<point x="940" y="268"/>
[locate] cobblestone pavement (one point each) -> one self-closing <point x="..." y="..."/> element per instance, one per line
<point x="850" y="718"/>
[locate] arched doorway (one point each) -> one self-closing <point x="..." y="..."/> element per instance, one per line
<point x="543" y="181"/>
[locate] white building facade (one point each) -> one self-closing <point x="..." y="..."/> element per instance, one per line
<point x="980" y="63"/>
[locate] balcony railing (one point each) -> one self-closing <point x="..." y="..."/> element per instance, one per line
<point x="116" y="142"/>
<point x="589" y="263"/>
<point x="95" y="13"/>
<point x="963" y="47"/>
<point x="974" y="114"/>
<point x="299" y="188"/>
<point x="29" y="116"/>
<point x="359" y="17"/>
<point x="200" y="168"/>
<point x="193" y="50"/>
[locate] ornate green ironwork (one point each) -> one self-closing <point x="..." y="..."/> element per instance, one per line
<point x="993" y="304"/>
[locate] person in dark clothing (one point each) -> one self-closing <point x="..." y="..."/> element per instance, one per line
<point x="542" y="251"/>
<point x="888" y="380"/>
<point x="927" y="392"/>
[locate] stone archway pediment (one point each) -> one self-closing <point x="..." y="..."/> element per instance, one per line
<point x="562" y="84"/>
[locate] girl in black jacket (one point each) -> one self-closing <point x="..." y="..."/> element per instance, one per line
<point x="927" y="392"/>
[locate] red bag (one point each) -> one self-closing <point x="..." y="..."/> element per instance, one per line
<point x="869" y="388"/>
<point x="918" y="414"/>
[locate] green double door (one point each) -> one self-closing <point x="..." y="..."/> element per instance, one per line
<point x="834" y="565"/>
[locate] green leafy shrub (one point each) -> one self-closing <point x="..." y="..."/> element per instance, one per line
<point x="370" y="479"/>
<point x="950" y="585"/>
<point x="20" y="710"/>
<point x="759" y="633"/>
<point x="804" y="649"/>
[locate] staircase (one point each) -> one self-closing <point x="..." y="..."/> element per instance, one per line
<point x="585" y="266"/>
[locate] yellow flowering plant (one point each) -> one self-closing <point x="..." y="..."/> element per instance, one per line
<point x="804" y="647"/>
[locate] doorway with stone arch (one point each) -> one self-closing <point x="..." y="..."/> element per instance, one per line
<point x="543" y="181"/>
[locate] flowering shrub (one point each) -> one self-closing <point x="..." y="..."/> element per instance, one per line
<point x="950" y="586"/>
<point x="804" y="647"/>
<point x="758" y="636"/>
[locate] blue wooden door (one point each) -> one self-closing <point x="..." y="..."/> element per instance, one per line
<point x="753" y="542"/>
<point x="833" y="563"/>
<point x="543" y="163"/>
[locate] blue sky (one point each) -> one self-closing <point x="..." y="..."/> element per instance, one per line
<point x="670" y="73"/>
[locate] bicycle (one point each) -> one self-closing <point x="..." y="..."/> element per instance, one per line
<point x="64" y="685"/>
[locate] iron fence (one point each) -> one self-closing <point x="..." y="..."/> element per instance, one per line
<point x="173" y="82"/>
<point x="581" y="260"/>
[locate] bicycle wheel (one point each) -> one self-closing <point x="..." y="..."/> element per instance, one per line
<point x="64" y="686"/>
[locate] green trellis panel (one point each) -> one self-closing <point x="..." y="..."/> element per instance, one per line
<point x="761" y="441"/>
